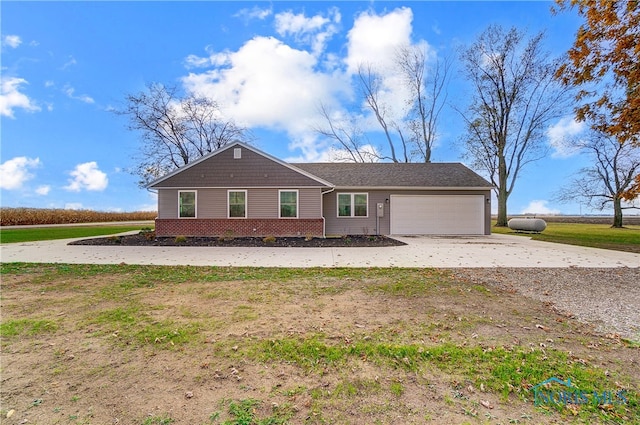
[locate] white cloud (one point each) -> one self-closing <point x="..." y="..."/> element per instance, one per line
<point x="43" y="190"/>
<point x="152" y="205"/>
<point x="15" y="172"/>
<point x="562" y="133"/>
<point x="70" y="92"/>
<point x="11" y="97"/>
<point x="73" y="206"/>
<point x="539" y="207"/>
<point x="12" y="41"/>
<point x="315" y="31"/>
<point x="374" y="39"/>
<point x="71" y="62"/>
<point x="147" y="207"/>
<point x="284" y="94"/>
<point x="254" y="13"/>
<point x="195" y="61"/>
<point x="87" y="176"/>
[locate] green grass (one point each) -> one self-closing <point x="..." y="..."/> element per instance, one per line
<point x="131" y="325"/>
<point x="244" y="412"/>
<point x="17" y="327"/>
<point x="50" y="233"/>
<point x="591" y="235"/>
<point x="508" y="371"/>
<point x="148" y="276"/>
<point x="158" y="420"/>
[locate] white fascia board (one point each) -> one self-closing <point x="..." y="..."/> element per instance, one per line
<point x="414" y="188"/>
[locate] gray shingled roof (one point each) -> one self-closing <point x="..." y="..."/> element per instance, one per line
<point x="396" y="174"/>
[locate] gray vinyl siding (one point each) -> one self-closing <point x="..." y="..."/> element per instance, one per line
<point x="168" y="204"/>
<point x="251" y="170"/>
<point x="309" y="203"/>
<point x="261" y="202"/>
<point x="335" y="225"/>
<point x="265" y="203"/>
<point x="212" y="203"/>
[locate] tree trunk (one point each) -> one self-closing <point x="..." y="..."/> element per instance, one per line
<point x="502" y="208"/>
<point x="617" y="213"/>
<point x="503" y="193"/>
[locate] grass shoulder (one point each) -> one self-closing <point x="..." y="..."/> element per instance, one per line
<point x="9" y="235"/>
<point x="584" y="234"/>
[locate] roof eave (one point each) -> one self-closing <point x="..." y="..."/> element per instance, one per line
<point x="414" y="187"/>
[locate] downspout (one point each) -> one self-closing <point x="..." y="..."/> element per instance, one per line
<point x="324" y="222"/>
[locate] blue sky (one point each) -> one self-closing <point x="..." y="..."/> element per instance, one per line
<point x="66" y="66"/>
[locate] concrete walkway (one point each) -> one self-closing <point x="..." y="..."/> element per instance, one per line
<point x="443" y="252"/>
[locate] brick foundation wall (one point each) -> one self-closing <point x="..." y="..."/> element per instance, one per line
<point x="239" y="227"/>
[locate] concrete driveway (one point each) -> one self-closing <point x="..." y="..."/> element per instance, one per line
<point x="422" y="251"/>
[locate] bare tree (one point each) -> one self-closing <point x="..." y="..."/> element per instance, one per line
<point x="612" y="173"/>
<point x="370" y="83"/>
<point x="410" y="127"/>
<point x="175" y="130"/>
<point x="427" y="96"/>
<point x="515" y="97"/>
<point x="347" y="137"/>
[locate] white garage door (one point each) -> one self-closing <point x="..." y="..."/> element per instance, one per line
<point x="437" y="214"/>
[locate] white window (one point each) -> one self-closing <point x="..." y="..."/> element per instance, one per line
<point x="288" y="203"/>
<point x="187" y="203"/>
<point x="353" y="205"/>
<point x="237" y="203"/>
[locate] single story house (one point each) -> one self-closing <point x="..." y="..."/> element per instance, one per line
<point x="239" y="190"/>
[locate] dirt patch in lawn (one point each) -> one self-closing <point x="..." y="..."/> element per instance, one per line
<point x="121" y="344"/>
<point x="149" y="239"/>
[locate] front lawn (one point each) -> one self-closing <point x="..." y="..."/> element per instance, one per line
<point x="9" y="235"/>
<point x="583" y="234"/>
<point x="222" y="345"/>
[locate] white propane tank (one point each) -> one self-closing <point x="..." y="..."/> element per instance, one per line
<point x="527" y="224"/>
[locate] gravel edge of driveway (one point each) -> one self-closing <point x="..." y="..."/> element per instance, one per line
<point x="608" y="298"/>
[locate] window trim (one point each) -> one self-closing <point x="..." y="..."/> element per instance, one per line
<point x="246" y="203"/>
<point x="297" y="192"/>
<point x="352" y="203"/>
<point x="195" y="203"/>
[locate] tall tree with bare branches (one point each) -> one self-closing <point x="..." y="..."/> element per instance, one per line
<point x="427" y="88"/>
<point x="346" y="136"/>
<point x="515" y="96"/>
<point x="175" y="129"/>
<point x="409" y="127"/>
<point x="611" y="174"/>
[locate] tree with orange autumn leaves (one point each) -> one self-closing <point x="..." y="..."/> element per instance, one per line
<point x="604" y="63"/>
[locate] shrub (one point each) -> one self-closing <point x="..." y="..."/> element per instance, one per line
<point x="269" y="239"/>
<point x="228" y="236"/>
<point x="180" y="239"/>
<point x="148" y="233"/>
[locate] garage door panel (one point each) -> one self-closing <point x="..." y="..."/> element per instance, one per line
<point x="437" y="214"/>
